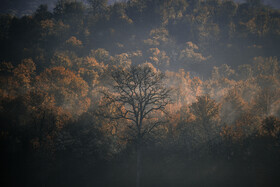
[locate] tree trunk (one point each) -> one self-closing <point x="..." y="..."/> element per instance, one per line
<point x="139" y="162"/>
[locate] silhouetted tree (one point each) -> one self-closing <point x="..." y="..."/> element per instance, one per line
<point x="139" y="93"/>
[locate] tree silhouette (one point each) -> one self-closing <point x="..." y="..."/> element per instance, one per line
<point x="139" y="93"/>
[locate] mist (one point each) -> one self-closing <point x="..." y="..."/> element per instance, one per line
<point x="140" y="93"/>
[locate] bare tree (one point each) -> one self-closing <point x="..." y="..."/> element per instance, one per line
<point x="139" y="92"/>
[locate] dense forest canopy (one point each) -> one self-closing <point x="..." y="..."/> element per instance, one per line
<point x="167" y="92"/>
<point x="24" y="7"/>
<point x="193" y="35"/>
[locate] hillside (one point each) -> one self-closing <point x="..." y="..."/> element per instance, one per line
<point x="140" y="93"/>
<point x="220" y="32"/>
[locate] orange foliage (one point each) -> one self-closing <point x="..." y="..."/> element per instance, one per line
<point x="68" y="89"/>
<point x="245" y="126"/>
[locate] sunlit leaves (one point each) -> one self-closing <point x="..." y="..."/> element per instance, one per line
<point x="158" y="37"/>
<point x="24" y="73"/>
<point x="68" y="89"/>
<point x="205" y="109"/>
<point x="74" y="42"/>
<point x="191" y="55"/>
<point x="158" y="58"/>
<point x="224" y="71"/>
<point x="61" y="59"/>
<point x="101" y="55"/>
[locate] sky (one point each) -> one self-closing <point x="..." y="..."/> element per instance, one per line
<point x="24" y="7"/>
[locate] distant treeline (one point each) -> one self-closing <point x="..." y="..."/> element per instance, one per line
<point x="221" y="31"/>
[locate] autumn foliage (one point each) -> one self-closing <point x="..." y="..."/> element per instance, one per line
<point x="194" y="84"/>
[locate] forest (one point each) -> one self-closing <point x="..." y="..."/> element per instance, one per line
<point x="141" y="93"/>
